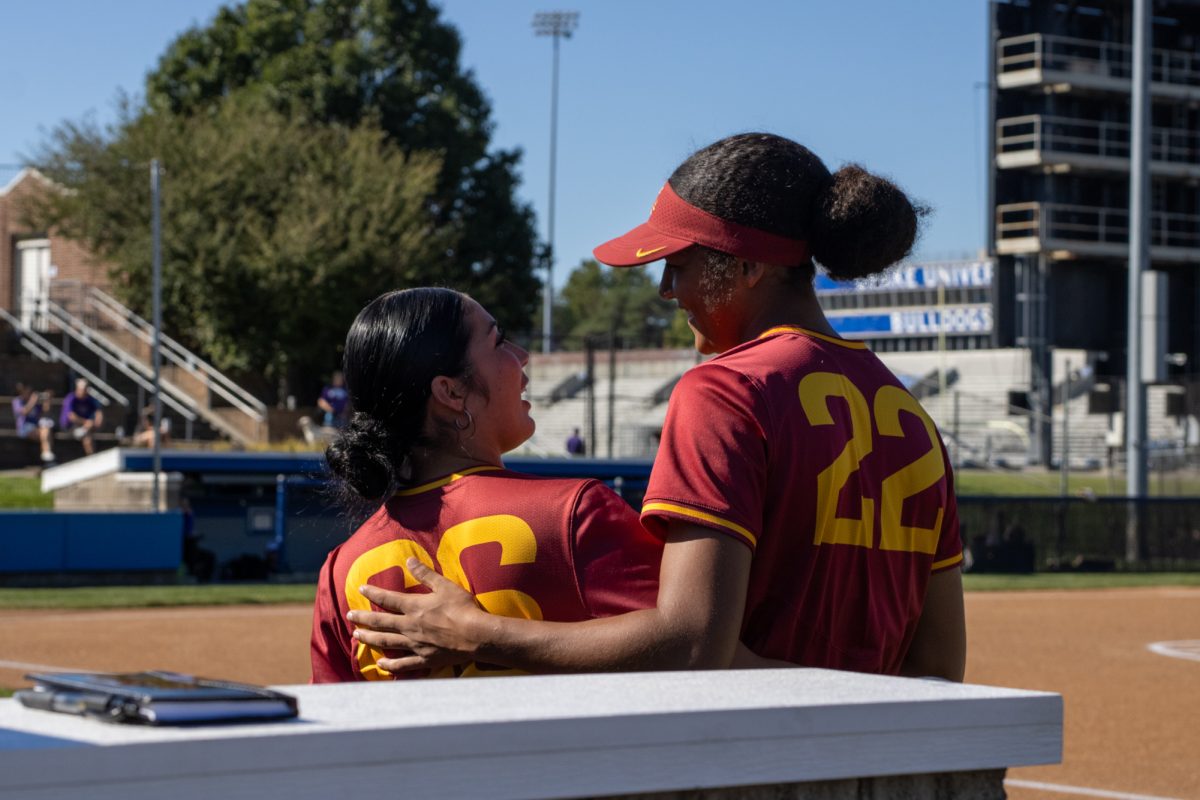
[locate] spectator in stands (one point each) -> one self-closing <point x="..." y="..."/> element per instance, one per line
<point x="31" y="410"/>
<point x="81" y="414"/>
<point x="575" y="444"/>
<point x="144" y="435"/>
<point x="335" y="402"/>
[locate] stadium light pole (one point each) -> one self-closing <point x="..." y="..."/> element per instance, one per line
<point x="557" y="25"/>
<point x="1139" y="258"/>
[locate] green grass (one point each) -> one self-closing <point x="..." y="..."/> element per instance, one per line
<point x="1077" y="580"/>
<point x="19" y="492"/>
<point x="1042" y="483"/>
<point x="157" y="596"/>
<point x="97" y="597"/>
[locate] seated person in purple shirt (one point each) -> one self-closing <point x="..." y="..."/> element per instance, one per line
<point x="32" y="413"/>
<point x="335" y="402"/>
<point x="81" y="415"/>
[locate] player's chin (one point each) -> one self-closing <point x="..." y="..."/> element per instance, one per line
<point x="704" y="345"/>
<point x="530" y="425"/>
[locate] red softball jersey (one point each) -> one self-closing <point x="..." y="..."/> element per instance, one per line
<point x="807" y="449"/>
<point x="538" y="548"/>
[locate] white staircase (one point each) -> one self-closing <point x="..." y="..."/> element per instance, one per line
<point x="90" y="322"/>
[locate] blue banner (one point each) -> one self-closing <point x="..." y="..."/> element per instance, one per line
<point x="972" y="319"/>
<point x="915" y="276"/>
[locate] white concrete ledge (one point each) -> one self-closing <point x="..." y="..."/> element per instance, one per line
<point x="545" y="737"/>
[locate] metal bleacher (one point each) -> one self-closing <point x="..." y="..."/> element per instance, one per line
<point x="965" y="392"/>
<point x="110" y="345"/>
<point x="639" y="392"/>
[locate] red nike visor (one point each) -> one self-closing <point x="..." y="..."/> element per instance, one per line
<point x="676" y="225"/>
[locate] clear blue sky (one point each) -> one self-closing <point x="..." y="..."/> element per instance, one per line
<point x="890" y="85"/>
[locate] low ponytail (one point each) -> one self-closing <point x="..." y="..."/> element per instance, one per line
<point x="363" y="457"/>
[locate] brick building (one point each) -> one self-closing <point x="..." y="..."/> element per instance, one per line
<point x="30" y="259"/>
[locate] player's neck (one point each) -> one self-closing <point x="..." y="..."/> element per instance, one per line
<point x="429" y="465"/>
<point x="778" y="305"/>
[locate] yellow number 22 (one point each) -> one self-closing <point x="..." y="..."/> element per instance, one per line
<point x="816" y="389"/>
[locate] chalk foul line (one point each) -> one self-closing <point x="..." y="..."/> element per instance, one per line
<point x="1084" y="791"/>
<point x="1188" y="649"/>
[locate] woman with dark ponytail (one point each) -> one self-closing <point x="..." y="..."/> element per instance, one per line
<point x="805" y="498"/>
<point x="436" y="389"/>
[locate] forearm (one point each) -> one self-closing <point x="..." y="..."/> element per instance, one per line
<point x="638" y="640"/>
<point x="694" y="625"/>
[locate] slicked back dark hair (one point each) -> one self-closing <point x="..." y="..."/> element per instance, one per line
<point x="397" y="345"/>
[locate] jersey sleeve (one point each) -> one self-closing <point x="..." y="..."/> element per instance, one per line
<point x="329" y="647"/>
<point x="949" y="551"/>
<point x="711" y="467"/>
<point x="616" y="559"/>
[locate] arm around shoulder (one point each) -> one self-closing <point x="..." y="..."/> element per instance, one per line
<point x="695" y="624"/>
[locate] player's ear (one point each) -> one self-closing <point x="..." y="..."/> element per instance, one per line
<point x="448" y="392"/>
<point x="753" y="272"/>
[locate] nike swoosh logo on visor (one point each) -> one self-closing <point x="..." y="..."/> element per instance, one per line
<point x="643" y="253"/>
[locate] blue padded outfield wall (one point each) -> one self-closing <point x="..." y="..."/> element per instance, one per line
<point x="67" y="541"/>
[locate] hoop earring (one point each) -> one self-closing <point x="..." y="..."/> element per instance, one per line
<point x="470" y="423"/>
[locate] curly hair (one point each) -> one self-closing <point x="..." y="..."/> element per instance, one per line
<point x="857" y="224"/>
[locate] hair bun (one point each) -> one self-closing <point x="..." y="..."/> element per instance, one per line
<point x="862" y="224"/>
<point x="361" y="457"/>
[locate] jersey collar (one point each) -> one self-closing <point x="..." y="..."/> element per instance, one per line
<point x="448" y="479"/>
<point x="853" y="345"/>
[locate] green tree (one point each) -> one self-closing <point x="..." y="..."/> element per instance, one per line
<point x="598" y="301"/>
<point x="276" y="230"/>
<point x="317" y="152"/>
<point x="396" y="63"/>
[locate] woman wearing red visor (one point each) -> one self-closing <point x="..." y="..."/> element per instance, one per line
<point x="804" y="496"/>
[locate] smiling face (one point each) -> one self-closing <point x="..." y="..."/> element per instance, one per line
<point x="709" y="303"/>
<point x="501" y="414"/>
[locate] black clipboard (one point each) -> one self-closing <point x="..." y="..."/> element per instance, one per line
<point x="155" y="698"/>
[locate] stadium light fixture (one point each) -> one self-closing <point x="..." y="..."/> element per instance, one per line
<point x="557" y="25"/>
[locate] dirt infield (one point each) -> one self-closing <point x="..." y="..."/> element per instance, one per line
<point x="1131" y="714"/>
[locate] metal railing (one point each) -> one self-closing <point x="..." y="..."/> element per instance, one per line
<point x="46" y="351"/>
<point x="1092" y="224"/>
<point x="1092" y="57"/>
<point x="118" y="359"/>
<point x="1049" y="134"/>
<point x="176" y="353"/>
